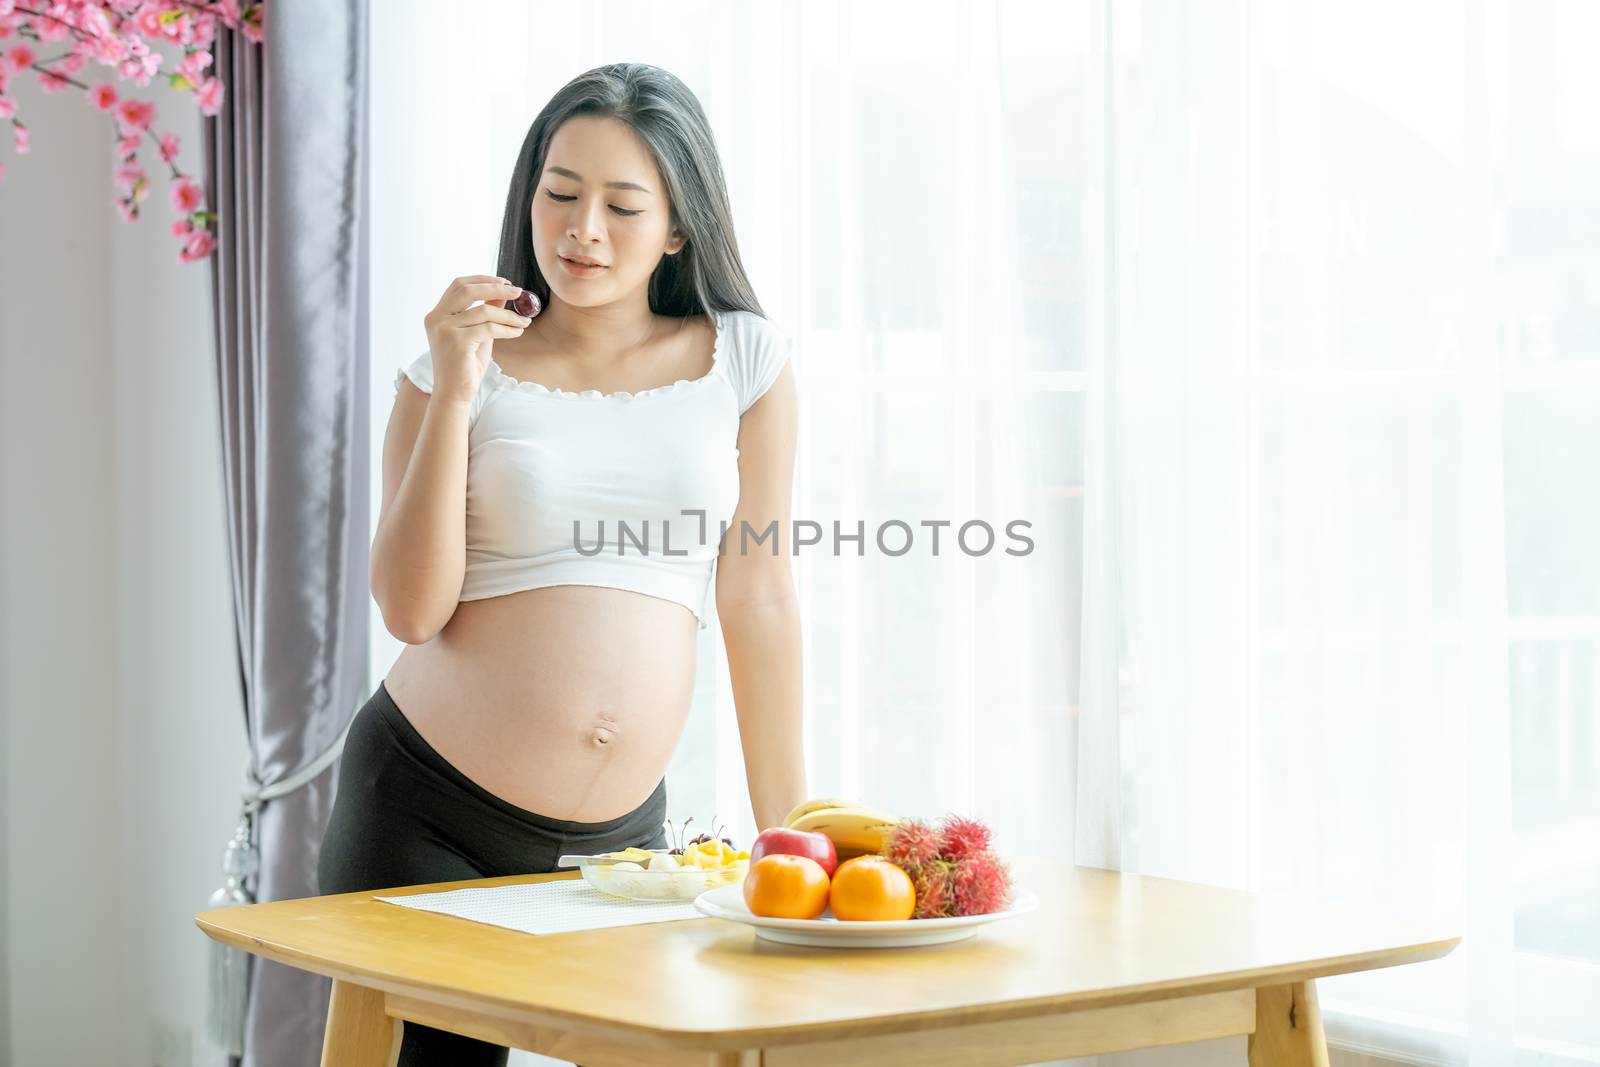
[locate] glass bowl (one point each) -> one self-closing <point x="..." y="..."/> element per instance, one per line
<point x="685" y="883"/>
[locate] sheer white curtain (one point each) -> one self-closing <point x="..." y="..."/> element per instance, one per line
<point x="899" y="212"/>
<point x="1342" y="510"/>
<point x="1303" y="293"/>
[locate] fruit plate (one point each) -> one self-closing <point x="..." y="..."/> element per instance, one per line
<point x="727" y="902"/>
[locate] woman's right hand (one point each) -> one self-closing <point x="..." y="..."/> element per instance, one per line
<point x="461" y="333"/>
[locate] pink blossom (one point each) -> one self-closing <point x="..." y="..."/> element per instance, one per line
<point x="51" y="82"/>
<point x="20" y="138"/>
<point x="181" y="227"/>
<point x="8" y="107"/>
<point x="149" y="20"/>
<point x="71" y="64"/>
<point x="128" y="176"/>
<point x="228" y="11"/>
<point x="6" y="7"/>
<point x="139" y="70"/>
<point x="103" y="96"/>
<point x="20" y="57"/>
<point x="186" y="196"/>
<point x="169" y="146"/>
<point x="196" y="63"/>
<point x="110" y="49"/>
<point x="193" y="64"/>
<point x="50" y="29"/>
<point x="198" y="245"/>
<point x="128" y="145"/>
<point x="91" y="19"/>
<point x="211" y="96"/>
<point x="136" y="114"/>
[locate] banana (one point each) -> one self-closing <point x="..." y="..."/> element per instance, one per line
<point x="855" y="828"/>
<point x="852" y="853"/>
<point x="815" y="804"/>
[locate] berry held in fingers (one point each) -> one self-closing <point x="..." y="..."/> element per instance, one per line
<point x="526" y="304"/>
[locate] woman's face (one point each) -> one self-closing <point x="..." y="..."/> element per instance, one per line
<point x="599" y="198"/>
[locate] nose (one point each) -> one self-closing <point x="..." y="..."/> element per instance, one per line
<point x="582" y="224"/>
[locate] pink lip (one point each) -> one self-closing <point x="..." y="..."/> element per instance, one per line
<point x="580" y="262"/>
<point x="578" y="270"/>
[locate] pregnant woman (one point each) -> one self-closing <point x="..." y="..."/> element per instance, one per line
<point x="559" y="490"/>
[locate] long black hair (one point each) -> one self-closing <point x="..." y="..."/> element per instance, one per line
<point x="706" y="274"/>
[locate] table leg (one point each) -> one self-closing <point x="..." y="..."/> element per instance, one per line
<point x="1288" y="1027"/>
<point x="359" y="1033"/>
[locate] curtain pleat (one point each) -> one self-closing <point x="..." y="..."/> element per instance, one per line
<point x="285" y="169"/>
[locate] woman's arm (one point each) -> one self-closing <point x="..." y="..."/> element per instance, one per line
<point x="419" y="556"/>
<point x="758" y="608"/>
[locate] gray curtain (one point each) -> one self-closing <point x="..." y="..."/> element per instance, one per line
<point x="286" y="163"/>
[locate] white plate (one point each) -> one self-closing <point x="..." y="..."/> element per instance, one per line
<point x="727" y="902"/>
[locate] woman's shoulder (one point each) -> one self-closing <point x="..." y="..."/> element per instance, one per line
<point x="755" y="349"/>
<point x="754" y="337"/>
<point x="749" y="322"/>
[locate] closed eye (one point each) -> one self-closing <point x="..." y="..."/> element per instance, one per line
<point x="564" y="199"/>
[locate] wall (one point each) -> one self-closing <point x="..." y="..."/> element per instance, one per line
<point x="121" y="725"/>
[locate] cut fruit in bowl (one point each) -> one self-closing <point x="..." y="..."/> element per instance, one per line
<point x="681" y="873"/>
<point x="633" y="882"/>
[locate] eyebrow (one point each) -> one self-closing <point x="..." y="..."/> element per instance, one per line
<point x="575" y="176"/>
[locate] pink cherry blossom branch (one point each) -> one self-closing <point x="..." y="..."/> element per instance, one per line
<point x="165" y="149"/>
<point x="102" y="32"/>
<point x="129" y="175"/>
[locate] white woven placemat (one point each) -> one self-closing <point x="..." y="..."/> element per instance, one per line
<point x="547" y="907"/>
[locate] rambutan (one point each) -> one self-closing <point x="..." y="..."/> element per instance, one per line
<point x="934" y="890"/>
<point x="961" y="837"/>
<point x="912" y="844"/>
<point x="980" y="884"/>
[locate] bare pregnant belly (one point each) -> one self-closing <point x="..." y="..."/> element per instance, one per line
<point x="566" y="701"/>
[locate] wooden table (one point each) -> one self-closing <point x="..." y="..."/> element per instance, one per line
<point x="1108" y="962"/>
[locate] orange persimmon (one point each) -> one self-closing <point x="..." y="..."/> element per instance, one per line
<point x="781" y="886"/>
<point x="871" y="888"/>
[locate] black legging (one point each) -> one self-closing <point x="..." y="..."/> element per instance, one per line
<point x="404" y="815"/>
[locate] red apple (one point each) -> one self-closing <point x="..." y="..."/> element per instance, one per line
<point x="807" y="843"/>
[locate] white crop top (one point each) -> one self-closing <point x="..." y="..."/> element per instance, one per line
<point x="539" y="458"/>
